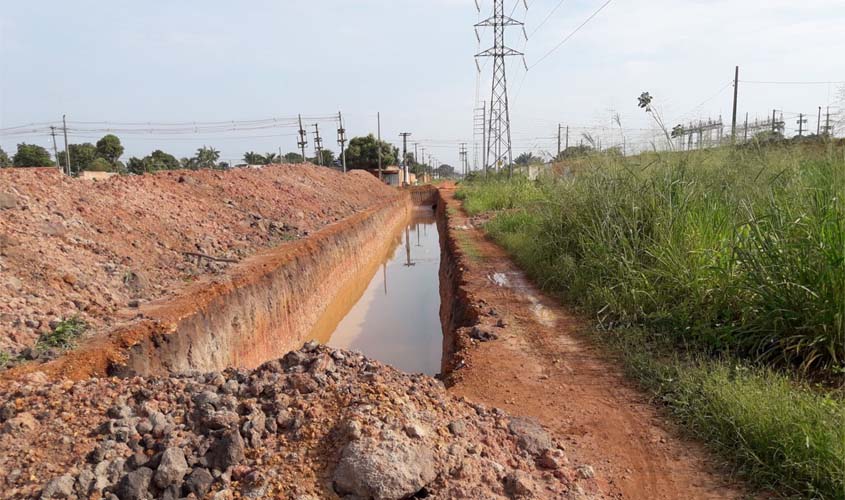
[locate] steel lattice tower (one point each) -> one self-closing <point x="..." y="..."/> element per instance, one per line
<point x="498" y="148"/>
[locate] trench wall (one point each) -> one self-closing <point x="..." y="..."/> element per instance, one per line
<point x="261" y="309"/>
<point x="456" y="310"/>
<point x="271" y="307"/>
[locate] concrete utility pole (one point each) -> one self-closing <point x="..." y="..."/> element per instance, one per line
<point x="67" y="149"/>
<point x="55" y="149"/>
<point x="303" y="140"/>
<point x="819" y="122"/>
<point x="745" y="134"/>
<point x="405" y="136"/>
<point x="801" y="122"/>
<point x="378" y="145"/>
<point x="736" y="95"/>
<point x="318" y="144"/>
<point x="462" y="154"/>
<point x="341" y="139"/>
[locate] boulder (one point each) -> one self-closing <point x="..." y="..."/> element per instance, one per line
<point x="388" y="468"/>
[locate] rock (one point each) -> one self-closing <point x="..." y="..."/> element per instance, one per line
<point x="134" y="304"/>
<point x="199" y="482"/>
<point x="135" y="485"/>
<point x="530" y="436"/>
<point x="551" y="459"/>
<point x="227" y="451"/>
<point x="21" y="423"/>
<point x="482" y="335"/>
<point x="8" y="201"/>
<point x="171" y="469"/>
<point x="415" y="431"/>
<point x="586" y="472"/>
<point x="60" y="487"/>
<point x="518" y="484"/>
<point x="119" y="411"/>
<point x="84" y="483"/>
<point x="389" y="468"/>
<point x="457" y="428"/>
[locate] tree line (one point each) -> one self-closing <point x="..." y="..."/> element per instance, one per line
<point x="104" y="156"/>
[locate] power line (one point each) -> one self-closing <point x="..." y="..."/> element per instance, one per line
<point x="546" y="19"/>
<point x="791" y="83"/>
<point x="570" y="35"/>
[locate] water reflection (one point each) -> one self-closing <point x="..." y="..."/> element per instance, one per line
<point x="396" y="320"/>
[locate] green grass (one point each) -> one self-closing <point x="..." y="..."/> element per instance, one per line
<point x="63" y="336"/>
<point x="718" y="272"/>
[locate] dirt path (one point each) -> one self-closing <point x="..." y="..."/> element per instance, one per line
<point x="543" y="368"/>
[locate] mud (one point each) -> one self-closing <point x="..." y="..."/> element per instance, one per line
<point x="509" y="345"/>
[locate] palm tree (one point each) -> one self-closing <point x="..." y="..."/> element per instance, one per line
<point x="271" y="158"/>
<point x="207" y="157"/>
<point x="252" y="158"/>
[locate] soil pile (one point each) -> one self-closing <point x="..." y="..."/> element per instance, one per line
<point x="97" y="250"/>
<point x="318" y="423"/>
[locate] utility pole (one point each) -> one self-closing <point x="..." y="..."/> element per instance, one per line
<point x="303" y="140"/>
<point x="819" y="122"/>
<point x="378" y="145"/>
<point x="567" y="138"/>
<point x="827" y="129"/>
<point x="425" y="165"/>
<point x="462" y="154"/>
<point x="67" y="149"/>
<point x="405" y="136"/>
<point x="341" y="140"/>
<point x="736" y="95"/>
<point x="318" y="144"/>
<point x="498" y="148"/>
<point x="558" y="140"/>
<point x="745" y="134"/>
<point x="801" y="122"/>
<point x="55" y="149"/>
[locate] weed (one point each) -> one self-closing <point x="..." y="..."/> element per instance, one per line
<point x="63" y="336"/>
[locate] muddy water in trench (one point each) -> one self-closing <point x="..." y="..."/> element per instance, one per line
<point x="391" y="312"/>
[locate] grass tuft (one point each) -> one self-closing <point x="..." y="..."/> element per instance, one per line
<point x="63" y="336"/>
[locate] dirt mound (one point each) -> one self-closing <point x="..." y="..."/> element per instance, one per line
<point x="319" y="423"/>
<point x="97" y="250"/>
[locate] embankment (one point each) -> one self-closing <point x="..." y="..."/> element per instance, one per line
<point x="261" y="308"/>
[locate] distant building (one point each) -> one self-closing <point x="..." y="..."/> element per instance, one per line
<point x="394" y="176"/>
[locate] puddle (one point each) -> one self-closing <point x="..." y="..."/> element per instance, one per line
<point x="396" y="313"/>
<point x="516" y="281"/>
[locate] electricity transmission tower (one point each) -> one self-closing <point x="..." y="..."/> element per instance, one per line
<point x="498" y="151"/>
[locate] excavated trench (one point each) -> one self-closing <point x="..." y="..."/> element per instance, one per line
<point x="383" y="282"/>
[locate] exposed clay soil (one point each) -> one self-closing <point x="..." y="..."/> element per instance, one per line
<point x="98" y="249"/>
<point x="530" y="356"/>
<point x="319" y="423"/>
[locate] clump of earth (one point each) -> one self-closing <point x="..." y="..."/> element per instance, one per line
<point x="318" y="423"/>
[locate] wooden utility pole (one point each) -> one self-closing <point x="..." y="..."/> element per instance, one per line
<point x="303" y="140"/>
<point x="341" y="139"/>
<point x="405" y="136"/>
<point x="558" y="140"/>
<point x="67" y="149"/>
<point x="318" y="144"/>
<point x="736" y="95"/>
<point x="378" y="144"/>
<point x="55" y="149"/>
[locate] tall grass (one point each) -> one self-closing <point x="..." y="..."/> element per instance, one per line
<point x="726" y="250"/>
<point x="719" y="278"/>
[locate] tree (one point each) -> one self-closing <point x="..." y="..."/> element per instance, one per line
<point x="527" y="159"/>
<point x="575" y="152"/>
<point x="100" y="165"/>
<point x="326" y="157"/>
<point x="363" y="153"/>
<point x="205" y="158"/>
<point x="271" y="158"/>
<point x="444" y="171"/>
<point x="81" y="156"/>
<point x="110" y="149"/>
<point x="155" y="161"/>
<point x="253" y="158"/>
<point x="4" y="159"/>
<point x="31" y="155"/>
<point x="293" y="158"/>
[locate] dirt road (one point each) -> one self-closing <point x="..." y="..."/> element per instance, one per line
<point x="542" y="367"/>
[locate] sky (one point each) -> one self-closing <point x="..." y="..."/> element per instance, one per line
<point x="412" y="61"/>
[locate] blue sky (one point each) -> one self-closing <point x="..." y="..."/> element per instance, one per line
<point x="411" y="60"/>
